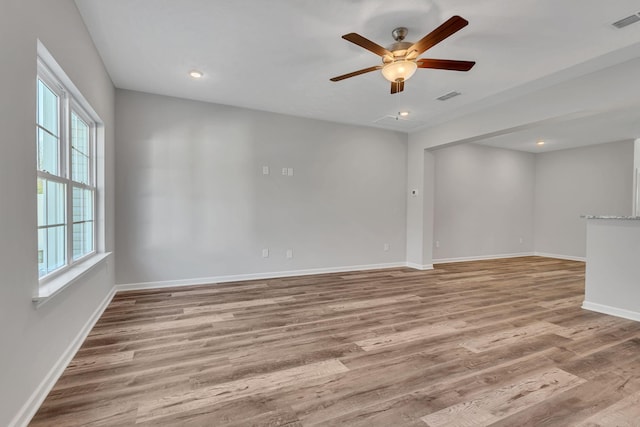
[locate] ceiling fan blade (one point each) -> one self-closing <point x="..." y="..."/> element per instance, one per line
<point x="367" y="44"/>
<point x="355" y="73"/>
<point x="445" y="64"/>
<point x="397" y="87"/>
<point x="451" y="26"/>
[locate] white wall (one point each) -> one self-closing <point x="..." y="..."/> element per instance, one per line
<point x="483" y="202"/>
<point x="192" y="201"/>
<point x="611" y="282"/>
<point x="33" y="340"/>
<point x="595" y="180"/>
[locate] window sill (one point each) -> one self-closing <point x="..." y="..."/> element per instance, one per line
<point x="57" y="285"/>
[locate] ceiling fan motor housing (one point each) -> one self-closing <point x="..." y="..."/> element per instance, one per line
<point x="400" y="60"/>
<point x="399" y="33"/>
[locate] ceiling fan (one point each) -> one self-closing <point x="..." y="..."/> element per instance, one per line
<point x="400" y="60"/>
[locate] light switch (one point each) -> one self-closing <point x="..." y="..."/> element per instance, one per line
<point x="290" y="171"/>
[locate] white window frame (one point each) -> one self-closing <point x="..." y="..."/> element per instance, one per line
<point x="71" y="100"/>
<point x="74" y="107"/>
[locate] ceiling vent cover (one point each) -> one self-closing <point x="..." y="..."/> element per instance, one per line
<point x="449" y="95"/>
<point x="626" y="21"/>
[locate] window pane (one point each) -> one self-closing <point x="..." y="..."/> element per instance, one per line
<point x="82" y="239"/>
<point x="80" y="153"/>
<point x="48" y="152"/>
<point x="51" y="202"/>
<point x="51" y="249"/>
<point x="82" y="204"/>
<point x="47" y="108"/>
<point x="83" y="222"/>
<point x="42" y="252"/>
<point x="56" y="244"/>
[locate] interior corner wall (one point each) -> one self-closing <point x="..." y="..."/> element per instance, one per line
<point x="193" y="201"/>
<point x="34" y="340"/>
<point x="483" y="202"/>
<point x="593" y="180"/>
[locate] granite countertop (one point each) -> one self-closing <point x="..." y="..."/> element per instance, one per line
<point x="610" y="217"/>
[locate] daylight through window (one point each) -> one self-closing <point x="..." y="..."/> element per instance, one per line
<point x="66" y="186"/>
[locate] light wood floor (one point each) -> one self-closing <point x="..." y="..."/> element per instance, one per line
<point x="501" y="343"/>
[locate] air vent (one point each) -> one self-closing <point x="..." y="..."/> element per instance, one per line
<point x="626" y="21"/>
<point x="447" y="96"/>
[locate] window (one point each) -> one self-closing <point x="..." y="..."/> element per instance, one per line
<point x="66" y="185"/>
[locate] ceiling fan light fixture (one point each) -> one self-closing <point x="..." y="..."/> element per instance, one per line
<point x="401" y="70"/>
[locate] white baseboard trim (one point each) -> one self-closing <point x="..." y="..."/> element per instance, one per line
<point x="254" y="276"/>
<point x="516" y="255"/>
<point x="29" y="409"/>
<point x="419" y="266"/>
<point x="612" y="311"/>
<point x="567" y="257"/>
<point x="481" y="257"/>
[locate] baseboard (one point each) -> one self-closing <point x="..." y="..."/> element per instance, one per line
<point x="419" y="266"/>
<point x="612" y="311"/>
<point x="254" y="276"/>
<point x="30" y="408"/>
<point x="566" y="257"/>
<point x="481" y="257"/>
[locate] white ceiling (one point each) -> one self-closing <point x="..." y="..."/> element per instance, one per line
<point x="278" y="55"/>
<point x="611" y="126"/>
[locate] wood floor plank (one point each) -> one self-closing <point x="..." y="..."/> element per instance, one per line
<point x="500" y="403"/>
<point x="573" y="301"/>
<point x="484" y="343"/>
<point x="373" y="302"/>
<point x="236" y="305"/>
<point x="574" y="405"/>
<point x="411" y="335"/>
<point x="623" y="413"/>
<point x="169" y="324"/>
<point x="150" y="410"/>
<point x="501" y="342"/>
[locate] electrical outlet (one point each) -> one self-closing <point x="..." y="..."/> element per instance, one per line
<point x="265" y="253"/>
<point x="265" y="170"/>
<point x="289" y="253"/>
<point x="437" y="243"/>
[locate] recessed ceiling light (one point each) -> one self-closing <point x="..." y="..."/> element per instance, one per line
<point x="541" y="142"/>
<point x="403" y="113"/>
<point x="196" y="74"/>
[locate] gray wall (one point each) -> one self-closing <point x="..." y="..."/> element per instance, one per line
<point x="192" y="201"/>
<point x="33" y="340"/>
<point x="595" y="180"/>
<point x="487" y="198"/>
<point x="483" y="201"/>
